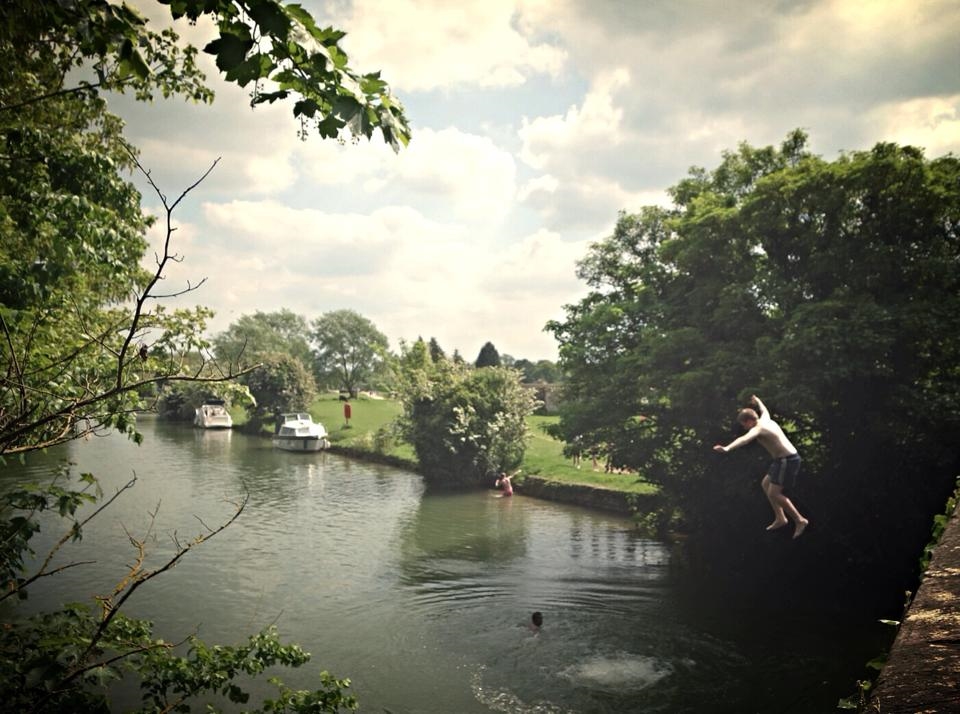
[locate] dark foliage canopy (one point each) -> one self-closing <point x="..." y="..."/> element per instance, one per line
<point x="831" y="289"/>
<point x="488" y="357"/>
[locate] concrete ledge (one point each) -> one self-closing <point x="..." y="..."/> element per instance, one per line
<point x="587" y="496"/>
<point x="922" y="674"/>
<point x="371" y="456"/>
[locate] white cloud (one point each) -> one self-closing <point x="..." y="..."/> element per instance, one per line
<point x="461" y="173"/>
<point x="412" y="276"/>
<point x="466" y="296"/>
<point x="595" y="125"/>
<point x="931" y="122"/>
<point x="434" y="44"/>
<point x="581" y="153"/>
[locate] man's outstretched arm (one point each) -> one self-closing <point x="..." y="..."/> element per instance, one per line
<point x="739" y="441"/>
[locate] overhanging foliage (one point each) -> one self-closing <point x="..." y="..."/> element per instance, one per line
<point x="830" y="288"/>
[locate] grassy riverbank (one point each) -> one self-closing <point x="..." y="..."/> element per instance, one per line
<point x="369" y="431"/>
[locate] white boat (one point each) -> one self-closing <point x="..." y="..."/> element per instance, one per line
<point x="212" y="414"/>
<point x="299" y="432"/>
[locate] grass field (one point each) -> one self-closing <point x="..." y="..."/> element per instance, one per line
<point x="368" y="416"/>
<point x="544" y="456"/>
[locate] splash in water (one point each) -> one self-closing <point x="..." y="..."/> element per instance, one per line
<point x="505" y="701"/>
<point x="618" y="672"/>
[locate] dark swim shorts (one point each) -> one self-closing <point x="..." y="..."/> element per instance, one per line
<point x="784" y="472"/>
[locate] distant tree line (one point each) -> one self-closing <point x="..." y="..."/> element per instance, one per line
<point x="291" y="359"/>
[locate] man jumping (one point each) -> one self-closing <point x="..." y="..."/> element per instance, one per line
<point x="783" y="471"/>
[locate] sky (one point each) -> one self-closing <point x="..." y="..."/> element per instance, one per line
<point x="535" y="122"/>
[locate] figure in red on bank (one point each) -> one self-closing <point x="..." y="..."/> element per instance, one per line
<point x="504" y="483"/>
<point x="782" y="474"/>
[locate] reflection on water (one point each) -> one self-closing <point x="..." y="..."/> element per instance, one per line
<point x="421" y="598"/>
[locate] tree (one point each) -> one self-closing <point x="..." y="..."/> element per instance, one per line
<point x="465" y="424"/>
<point x="488" y="357"/>
<point x="278" y="48"/>
<point x="82" y="339"/>
<point x="350" y="348"/>
<point x="436" y="351"/>
<point x="179" y="400"/>
<point x="415" y="359"/>
<point x="250" y="337"/>
<point x="541" y="371"/>
<point x="280" y="384"/>
<point x="829" y="288"/>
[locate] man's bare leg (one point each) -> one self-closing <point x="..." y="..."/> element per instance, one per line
<point x="775" y="494"/>
<point x="779" y="519"/>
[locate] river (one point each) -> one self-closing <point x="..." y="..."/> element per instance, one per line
<point x="422" y="598"/>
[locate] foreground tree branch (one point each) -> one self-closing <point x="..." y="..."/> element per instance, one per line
<point x="40" y="410"/>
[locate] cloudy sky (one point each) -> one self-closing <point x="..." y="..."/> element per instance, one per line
<point x="535" y="122"/>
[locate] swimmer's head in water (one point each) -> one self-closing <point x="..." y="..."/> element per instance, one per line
<point x="537" y="619"/>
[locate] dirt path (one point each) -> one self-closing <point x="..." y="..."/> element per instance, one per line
<point x="922" y="674"/>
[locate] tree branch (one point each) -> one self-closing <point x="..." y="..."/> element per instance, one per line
<point x="138" y="577"/>
<point x="77" y="526"/>
<point x="161" y="264"/>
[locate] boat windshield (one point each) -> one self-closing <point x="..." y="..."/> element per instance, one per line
<point x="297" y="417"/>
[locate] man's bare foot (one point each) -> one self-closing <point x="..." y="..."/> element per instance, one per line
<point x="777" y="523"/>
<point x="801" y="526"/>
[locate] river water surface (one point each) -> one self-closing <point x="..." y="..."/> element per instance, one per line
<point x="422" y="598"/>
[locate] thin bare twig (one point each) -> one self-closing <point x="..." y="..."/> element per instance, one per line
<point x="79" y="525"/>
<point x="161" y="264"/>
<point x="111" y="608"/>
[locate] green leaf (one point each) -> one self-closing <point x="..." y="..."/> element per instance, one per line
<point x="257" y="66"/>
<point x="306" y="107"/>
<point x="230" y="50"/>
<point x="270" y="17"/>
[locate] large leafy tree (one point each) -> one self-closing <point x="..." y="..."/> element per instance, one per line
<point x="276" y="48"/>
<point x="279" y="384"/>
<point x="71" y="236"/>
<point x="250" y="337"/>
<point x="830" y="289"/>
<point x="350" y="349"/>
<point x="82" y="337"/>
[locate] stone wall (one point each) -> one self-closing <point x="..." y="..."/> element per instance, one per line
<point x="922" y="673"/>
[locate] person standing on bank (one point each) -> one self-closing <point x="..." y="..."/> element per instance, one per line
<point x="783" y="471"/>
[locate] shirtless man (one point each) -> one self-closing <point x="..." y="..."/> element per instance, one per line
<point x="783" y="469"/>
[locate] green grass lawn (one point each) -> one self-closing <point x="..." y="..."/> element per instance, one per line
<point x="544" y="456"/>
<point x="367" y="417"/>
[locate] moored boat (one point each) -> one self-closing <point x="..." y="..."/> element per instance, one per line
<point x="297" y="431"/>
<point x="212" y="414"/>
